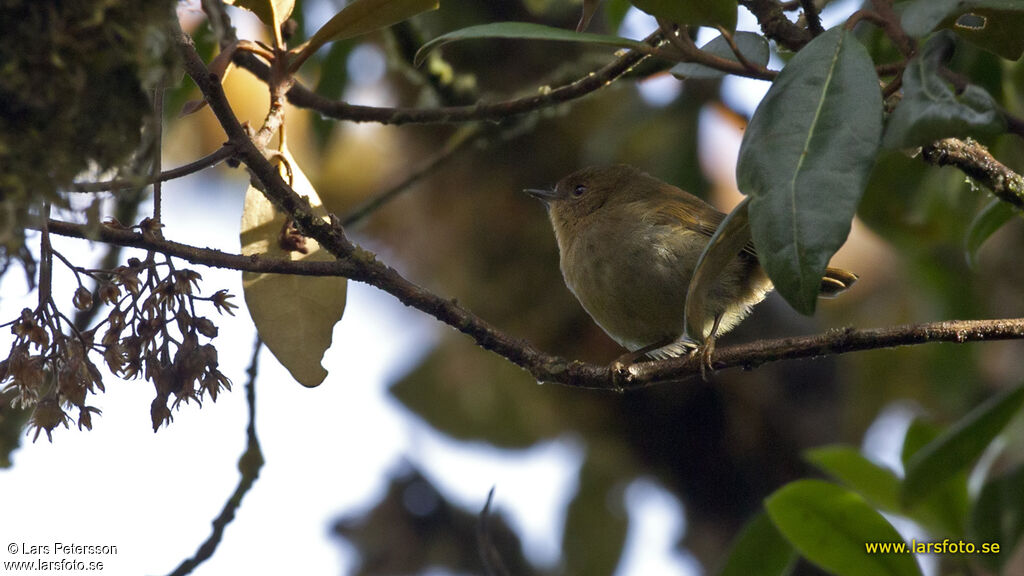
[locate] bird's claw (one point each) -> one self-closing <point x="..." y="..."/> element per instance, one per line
<point x="705" y="351"/>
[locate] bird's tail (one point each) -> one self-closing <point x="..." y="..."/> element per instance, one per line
<point x="835" y="282"/>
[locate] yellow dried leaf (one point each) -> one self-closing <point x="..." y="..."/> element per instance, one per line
<point x="295" y="315"/>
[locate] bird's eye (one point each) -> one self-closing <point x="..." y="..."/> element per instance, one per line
<point x="579" y="190"/>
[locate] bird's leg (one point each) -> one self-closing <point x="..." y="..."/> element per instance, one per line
<point x="708" y="348"/>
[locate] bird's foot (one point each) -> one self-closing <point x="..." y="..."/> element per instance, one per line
<point x="705" y="351"/>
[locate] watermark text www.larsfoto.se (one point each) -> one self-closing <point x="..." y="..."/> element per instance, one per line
<point x="941" y="547"/>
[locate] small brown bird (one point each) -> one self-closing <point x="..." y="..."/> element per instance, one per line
<point x="629" y="244"/>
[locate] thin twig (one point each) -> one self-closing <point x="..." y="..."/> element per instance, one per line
<point x="212" y="159"/>
<point x="304" y="98"/>
<point x="975" y="161"/>
<point x="904" y="43"/>
<point x="737" y="53"/>
<point x="457" y="142"/>
<point x="45" y="260"/>
<point x="489" y="555"/>
<point x="690" y="53"/>
<point x="158" y="136"/>
<point x="249" y="465"/>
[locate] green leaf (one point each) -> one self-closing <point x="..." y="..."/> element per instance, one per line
<point x="806" y="158"/>
<point x="830" y="526"/>
<point x="267" y="9"/>
<point x="930" y="109"/>
<point x="922" y="16"/>
<point x="990" y="219"/>
<point x="999" y="31"/>
<point x="360" y="17"/>
<point x="754" y="48"/>
<point x="760" y="550"/>
<point x="944" y="510"/>
<point x="521" y="31"/>
<point x="728" y="241"/>
<point x="877" y="484"/>
<point x="958" y="447"/>
<point x="704" y="13"/>
<point x="998" y="516"/>
<point x="294" y="315"/>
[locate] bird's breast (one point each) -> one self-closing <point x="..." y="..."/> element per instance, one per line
<point x="632" y="278"/>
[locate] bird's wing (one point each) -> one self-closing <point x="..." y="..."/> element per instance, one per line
<point x="694" y="210"/>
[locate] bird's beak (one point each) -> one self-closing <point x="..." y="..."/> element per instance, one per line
<point x="545" y="196"/>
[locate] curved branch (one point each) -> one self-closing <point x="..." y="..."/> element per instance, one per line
<point x="690" y="53"/>
<point x="776" y="25"/>
<point x="976" y="162"/>
<point x="212" y="159"/>
<point x="302" y="97"/>
<point x="546" y="367"/>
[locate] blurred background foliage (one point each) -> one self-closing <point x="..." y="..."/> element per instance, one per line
<point x="467" y="232"/>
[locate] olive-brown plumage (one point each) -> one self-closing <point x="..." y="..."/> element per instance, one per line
<point x="628" y="246"/>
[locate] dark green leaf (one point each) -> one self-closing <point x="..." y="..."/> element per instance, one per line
<point x="806" y="158"/>
<point x="830" y="526"/>
<point x="705" y="13"/>
<point x="754" y="48"/>
<point x="922" y="16"/>
<point x="521" y="31"/>
<point x="877" y="484"/>
<point x="931" y="110"/>
<point x="998" y="516"/>
<point x="990" y="219"/>
<point x="728" y="241"/>
<point x="958" y="447"/>
<point x="944" y="510"/>
<point x="359" y="17"/>
<point x="999" y="31"/>
<point x="760" y="550"/>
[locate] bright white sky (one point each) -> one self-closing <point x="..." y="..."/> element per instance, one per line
<point x="329" y="451"/>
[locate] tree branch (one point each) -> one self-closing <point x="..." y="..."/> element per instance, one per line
<point x="812" y="17"/>
<point x="775" y="25"/>
<point x="302" y="97"/>
<point x="690" y="53"/>
<point x="976" y="162"/>
<point x="553" y="369"/>
<point x="212" y="159"/>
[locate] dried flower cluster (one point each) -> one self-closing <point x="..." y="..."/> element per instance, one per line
<point x="152" y="330"/>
